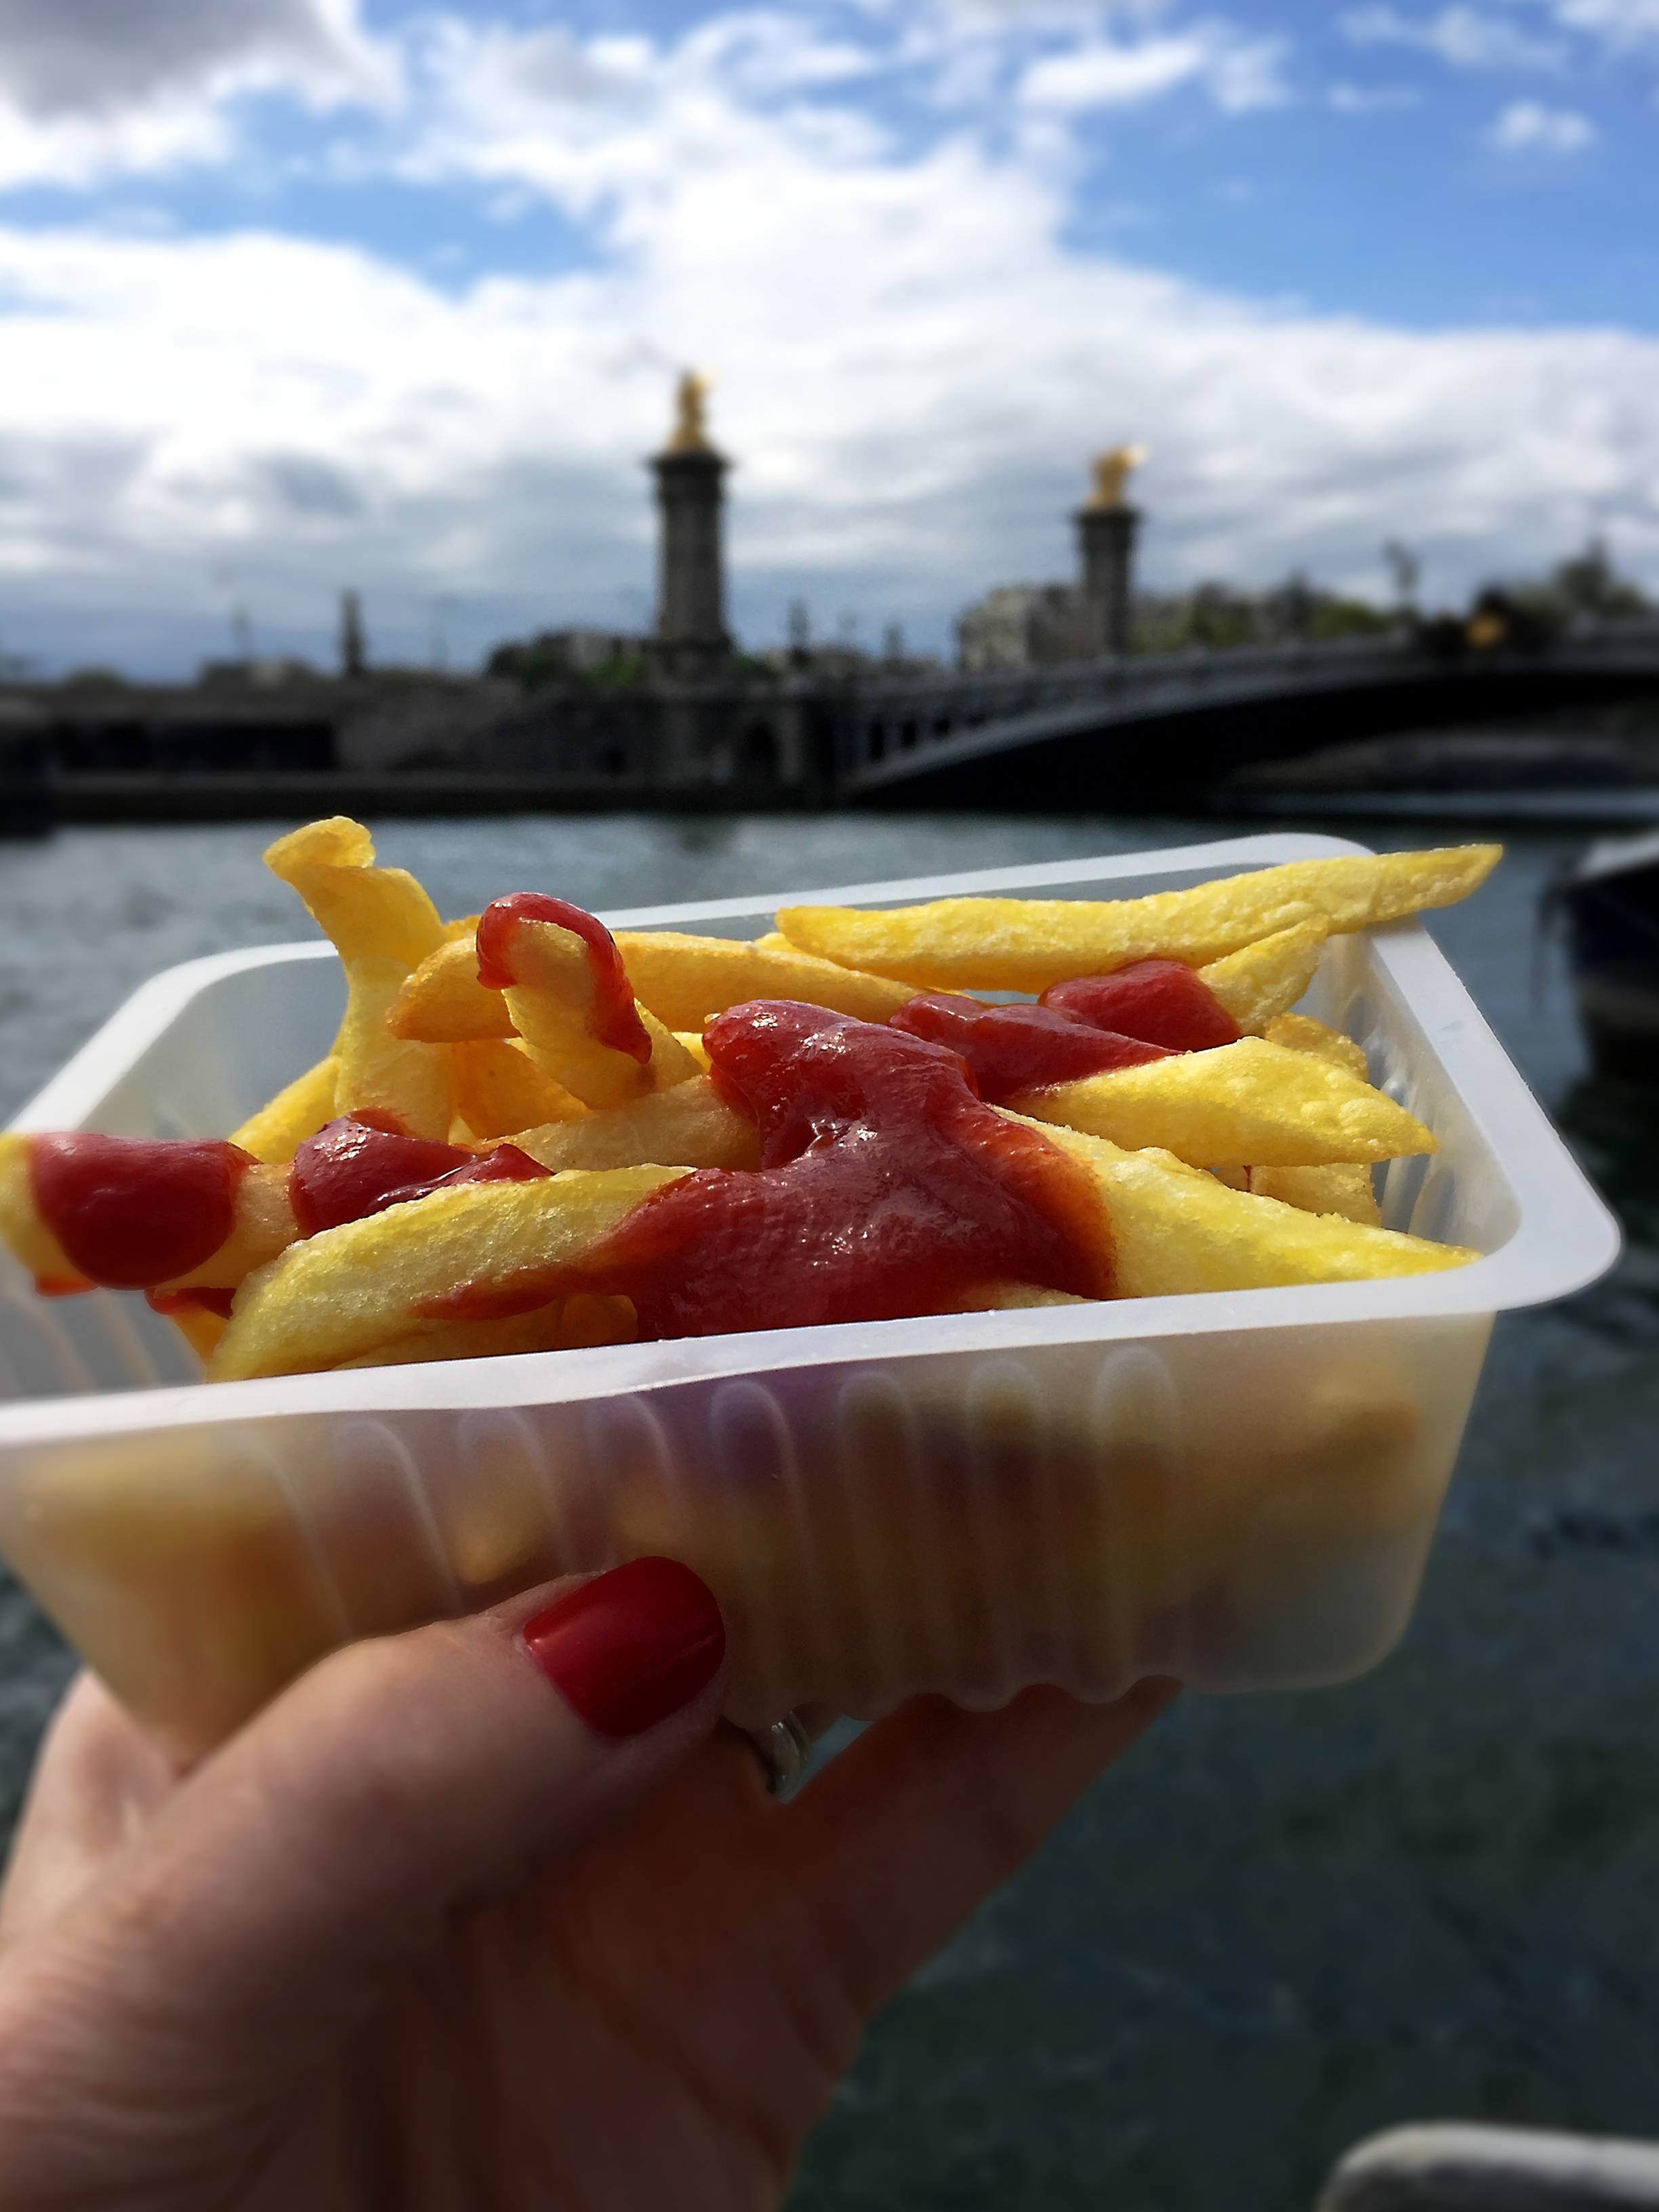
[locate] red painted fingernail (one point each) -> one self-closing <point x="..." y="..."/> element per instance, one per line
<point x="632" y="1646"/>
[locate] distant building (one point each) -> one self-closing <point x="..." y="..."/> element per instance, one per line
<point x="552" y="653"/>
<point x="1018" y="625"/>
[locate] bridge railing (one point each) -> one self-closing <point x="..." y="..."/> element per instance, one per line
<point x="876" y="719"/>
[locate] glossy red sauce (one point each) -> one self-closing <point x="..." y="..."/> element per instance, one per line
<point x="198" y="1299"/>
<point x="1016" y="1049"/>
<point x="362" y="1164"/>
<point x="615" y="1020"/>
<point x="132" y="1210"/>
<point x="1158" y="999"/>
<point x="886" y="1188"/>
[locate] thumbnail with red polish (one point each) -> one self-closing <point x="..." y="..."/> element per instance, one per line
<point x="632" y="1646"/>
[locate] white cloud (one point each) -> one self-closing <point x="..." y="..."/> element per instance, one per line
<point x="1623" y="24"/>
<point x="1464" y="37"/>
<point x="96" y="57"/>
<point x="1372" y="99"/>
<point x="1526" y="127"/>
<point x="1239" y="73"/>
<point x="913" y="368"/>
<point x="910" y="380"/>
<point x="103" y="87"/>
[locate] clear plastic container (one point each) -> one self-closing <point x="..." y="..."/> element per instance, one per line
<point x="1239" y="1490"/>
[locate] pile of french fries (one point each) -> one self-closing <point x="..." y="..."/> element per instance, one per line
<point x="1243" y="1166"/>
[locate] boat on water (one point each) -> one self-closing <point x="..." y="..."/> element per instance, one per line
<point x="1609" y="900"/>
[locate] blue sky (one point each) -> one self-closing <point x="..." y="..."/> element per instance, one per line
<point x="307" y="292"/>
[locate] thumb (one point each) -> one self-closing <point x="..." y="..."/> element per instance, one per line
<point x="228" y="1952"/>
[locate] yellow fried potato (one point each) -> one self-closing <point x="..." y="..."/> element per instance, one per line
<point x="1029" y="945"/>
<point x="1247" y="1104"/>
<point x="688" y="1126"/>
<point x="443" y="1002"/>
<point x="684" y="980"/>
<point x="26" y="1236"/>
<point x="499" y="1089"/>
<point x="379" y="1072"/>
<point x="344" y="1293"/>
<point x="572" y="1324"/>
<point x="1267" y="977"/>
<point x="1302" y="1033"/>
<point x="200" y="1329"/>
<point x="1346" y="1191"/>
<point x="382" y="924"/>
<point x="277" y="1132"/>
<point x="551" y="1002"/>
<point x="1176" y="1230"/>
<point x="363" y="910"/>
<point x="262" y="1226"/>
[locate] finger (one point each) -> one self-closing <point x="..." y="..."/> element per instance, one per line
<point x="96" y="1784"/>
<point x="251" y="1927"/>
<point x="920" y="1819"/>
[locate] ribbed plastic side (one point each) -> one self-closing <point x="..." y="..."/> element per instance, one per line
<point x="1248" y="1510"/>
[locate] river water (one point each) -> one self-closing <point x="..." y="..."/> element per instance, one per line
<point x="1282" y="1922"/>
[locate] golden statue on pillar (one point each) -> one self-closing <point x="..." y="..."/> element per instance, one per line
<point x="1112" y="472"/>
<point x="691" y="416"/>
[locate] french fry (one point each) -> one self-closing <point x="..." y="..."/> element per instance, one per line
<point x="277" y="1132"/>
<point x="1176" y="1230"/>
<point x="200" y="1329"/>
<point x="1302" y="1033"/>
<point x="551" y="998"/>
<point x="26" y="1235"/>
<point x="1346" y="1191"/>
<point x="1029" y="945"/>
<point x="1247" y="1104"/>
<point x="379" y="1072"/>
<point x="499" y="1089"/>
<point x="573" y="1324"/>
<point x="688" y="1126"/>
<point x="680" y="980"/>
<point x="362" y="909"/>
<point x="382" y="924"/>
<point x="262" y="1226"/>
<point x="1266" y="977"/>
<point x="344" y="1294"/>
<point x="443" y="1002"/>
<point x="684" y="980"/>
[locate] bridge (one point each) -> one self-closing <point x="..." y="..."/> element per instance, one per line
<point x="1155" y="726"/>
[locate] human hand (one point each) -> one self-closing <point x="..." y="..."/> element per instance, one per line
<point x="423" y="1935"/>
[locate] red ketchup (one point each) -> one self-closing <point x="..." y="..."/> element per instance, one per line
<point x="363" y="1162"/>
<point x="199" y="1299"/>
<point x="886" y="1188"/>
<point x="133" y="1211"/>
<point x="615" y="1020"/>
<point x="1014" y="1049"/>
<point x="1158" y="999"/>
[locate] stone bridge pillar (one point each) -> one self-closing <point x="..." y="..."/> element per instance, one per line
<point x="691" y="633"/>
<point x="1106" y="528"/>
<point x="1106" y="541"/>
